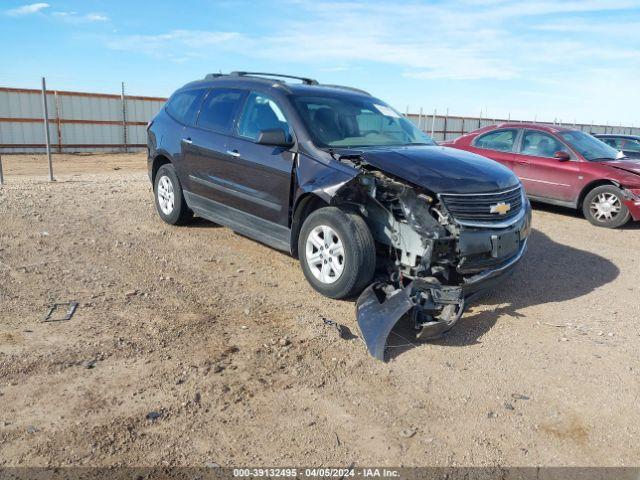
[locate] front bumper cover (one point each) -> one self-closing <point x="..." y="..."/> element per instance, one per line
<point x="435" y="307"/>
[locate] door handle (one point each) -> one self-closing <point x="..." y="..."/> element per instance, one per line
<point x="233" y="153"/>
<point x="187" y="140"/>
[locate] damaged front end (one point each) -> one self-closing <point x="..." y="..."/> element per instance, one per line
<point x="439" y="250"/>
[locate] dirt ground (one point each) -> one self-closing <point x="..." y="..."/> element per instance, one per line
<point x="194" y="345"/>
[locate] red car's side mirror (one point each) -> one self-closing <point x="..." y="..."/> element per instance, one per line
<point x="562" y="156"/>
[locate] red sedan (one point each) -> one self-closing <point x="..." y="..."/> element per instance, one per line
<point x="564" y="167"/>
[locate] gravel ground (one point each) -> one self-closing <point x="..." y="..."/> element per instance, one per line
<point x="194" y="345"/>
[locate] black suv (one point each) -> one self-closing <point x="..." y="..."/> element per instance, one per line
<point x="341" y="180"/>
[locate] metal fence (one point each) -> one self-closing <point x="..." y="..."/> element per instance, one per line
<point x="98" y="122"/>
<point x="78" y="121"/>
<point x="448" y="127"/>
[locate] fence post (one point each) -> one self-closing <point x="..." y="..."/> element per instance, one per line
<point x="47" y="136"/>
<point x="446" y="117"/>
<point x="58" y="121"/>
<point x="1" y="174"/>
<point x="433" y="122"/>
<point x="124" y="119"/>
<point x="420" y="119"/>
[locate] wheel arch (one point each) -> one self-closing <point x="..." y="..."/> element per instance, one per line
<point x="306" y="204"/>
<point x="590" y="186"/>
<point x="158" y="161"/>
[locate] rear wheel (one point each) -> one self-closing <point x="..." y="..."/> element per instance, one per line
<point x="170" y="202"/>
<point x="337" y="252"/>
<point x="603" y="207"/>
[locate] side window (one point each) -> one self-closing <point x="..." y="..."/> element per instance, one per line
<point x="501" y="140"/>
<point x="261" y="113"/>
<point x="219" y="109"/>
<point x="183" y="106"/>
<point x="631" y="145"/>
<point x="611" y="142"/>
<point x="540" y="144"/>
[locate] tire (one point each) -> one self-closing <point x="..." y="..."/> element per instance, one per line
<point x="603" y="207"/>
<point x="358" y="259"/>
<point x="169" y="198"/>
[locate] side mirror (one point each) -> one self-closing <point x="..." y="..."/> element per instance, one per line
<point x="275" y="136"/>
<point x="562" y="156"/>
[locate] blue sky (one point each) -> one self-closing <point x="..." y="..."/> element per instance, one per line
<point x="570" y="60"/>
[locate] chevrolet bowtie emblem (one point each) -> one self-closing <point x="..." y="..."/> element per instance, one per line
<point x="500" y="208"/>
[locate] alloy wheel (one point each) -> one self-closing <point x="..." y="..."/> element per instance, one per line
<point x="325" y="254"/>
<point x="166" y="195"/>
<point x="605" y="207"/>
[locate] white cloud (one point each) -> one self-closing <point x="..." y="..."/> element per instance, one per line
<point x="75" y="17"/>
<point x="27" y="9"/>
<point x="458" y="40"/>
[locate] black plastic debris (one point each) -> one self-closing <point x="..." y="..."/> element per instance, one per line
<point x="153" y="416"/>
<point x="71" y="309"/>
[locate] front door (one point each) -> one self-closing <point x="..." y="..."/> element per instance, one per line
<point x="541" y="173"/>
<point x="261" y="174"/>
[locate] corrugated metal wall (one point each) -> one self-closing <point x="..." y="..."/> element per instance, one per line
<point x="78" y="121"/>
<point x="445" y="127"/>
<point x="88" y="122"/>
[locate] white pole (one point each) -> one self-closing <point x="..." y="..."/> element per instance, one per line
<point x="124" y="119"/>
<point x="47" y="137"/>
<point x="433" y="122"/>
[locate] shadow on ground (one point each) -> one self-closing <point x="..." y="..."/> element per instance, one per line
<point x="550" y="272"/>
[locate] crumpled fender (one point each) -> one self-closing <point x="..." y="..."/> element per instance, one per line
<point x="377" y="314"/>
<point x="320" y="178"/>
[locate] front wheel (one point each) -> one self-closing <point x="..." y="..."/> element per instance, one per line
<point x="603" y="207"/>
<point x="337" y="252"/>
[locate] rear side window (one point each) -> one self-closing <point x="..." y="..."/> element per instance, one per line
<point x="219" y="110"/>
<point x="630" y="145"/>
<point x="500" y="140"/>
<point x="183" y="106"/>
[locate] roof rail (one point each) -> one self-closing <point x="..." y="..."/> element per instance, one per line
<point x="305" y="80"/>
<point x="342" y="87"/>
<point x="211" y="76"/>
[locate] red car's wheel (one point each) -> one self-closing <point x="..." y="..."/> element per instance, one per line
<point x="603" y="206"/>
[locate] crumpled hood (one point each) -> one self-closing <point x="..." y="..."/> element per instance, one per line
<point x="628" y="165"/>
<point x="440" y="169"/>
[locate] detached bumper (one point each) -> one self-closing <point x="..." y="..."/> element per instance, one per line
<point x="634" y="208"/>
<point x="435" y="308"/>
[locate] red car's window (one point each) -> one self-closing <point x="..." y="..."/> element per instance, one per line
<point x="500" y="140"/>
<point x="540" y="144"/>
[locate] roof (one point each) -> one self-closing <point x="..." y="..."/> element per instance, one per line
<point x="540" y="126"/>
<point x="275" y="81"/>
<point x="616" y="135"/>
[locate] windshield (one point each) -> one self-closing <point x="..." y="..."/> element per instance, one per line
<point x="589" y="147"/>
<point x="348" y="122"/>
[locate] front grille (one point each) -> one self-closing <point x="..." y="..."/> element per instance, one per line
<point x="477" y="207"/>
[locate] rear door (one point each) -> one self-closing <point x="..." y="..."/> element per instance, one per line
<point x="497" y="145"/>
<point x="543" y="175"/>
<point x="207" y="155"/>
<point x="260" y="177"/>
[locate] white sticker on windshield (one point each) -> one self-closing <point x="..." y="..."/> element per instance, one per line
<point x="386" y="111"/>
